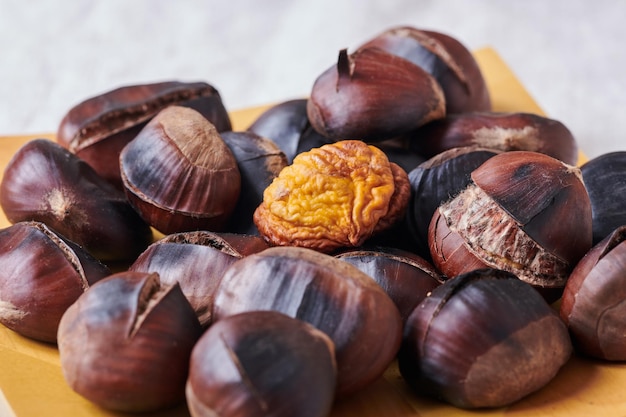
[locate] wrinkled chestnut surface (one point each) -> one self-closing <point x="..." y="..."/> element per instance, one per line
<point x="332" y="295"/>
<point x="42" y="274"/>
<point x="334" y="196"/>
<point x="483" y="339"/>
<point x="125" y="343"/>
<point x="179" y="174"/>
<point x="97" y="128"/>
<point x="498" y="131"/>
<point x="45" y="182"/>
<point x="593" y="304"/>
<point x="262" y="363"/>
<point x="445" y="58"/>
<point x="373" y="95"/>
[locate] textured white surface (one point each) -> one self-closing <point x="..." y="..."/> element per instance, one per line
<point x="568" y="53"/>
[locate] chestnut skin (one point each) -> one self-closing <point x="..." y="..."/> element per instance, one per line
<point x="262" y="363"/>
<point x="125" y="343"/>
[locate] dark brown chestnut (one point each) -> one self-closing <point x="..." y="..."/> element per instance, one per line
<point x="373" y="95"/>
<point x="406" y="277"/>
<point x="262" y="363"/>
<point x="483" y="339"/>
<point x="47" y="183"/>
<point x="179" y="174"/>
<point x="593" y="304"/>
<point x="501" y="131"/>
<point x="42" y="274"/>
<point x="332" y="295"/>
<point x="195" y="260"/>
<point x="605" y="179"/>
<point x="523" y="212"/>
<point x="97" y="128"/>
<point x="125" y="344"/>
<point x="259" y="161"/>
<point x="445" y="58"/>
<point x="435" y="182"/>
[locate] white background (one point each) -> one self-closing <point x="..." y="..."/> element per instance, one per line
<point x="569" y="54"/>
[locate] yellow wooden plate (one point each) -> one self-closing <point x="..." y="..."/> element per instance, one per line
<point x="31" y="383"/>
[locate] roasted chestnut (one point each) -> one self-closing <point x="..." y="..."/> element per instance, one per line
<point x="125" y="343"/>
<point x="47" y="183"/>
<point x="483" y="339"/>
<point x="605" y="179"/>
<point x="523" y="212"/>
<point x="97" y="128"/>
<point x="501" y="131"/>
<point x="332" y="295"/>
<point x="179" y="174"/>
<point x="373" y="95"/>
<point x="262" y="363"/>
<point x="42" y="274"/>
<point x="445" y="58"/>
<point x="593" y="304"/>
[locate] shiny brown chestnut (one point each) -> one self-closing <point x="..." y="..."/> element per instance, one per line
<point x="497" y="130"/>
<point x="593" y="304"/>
<point x="96" y="129"/>
<point x="406" y="277"/>
<point x="523" y="212"/>
<point x="42" y="274"/>
<point x="179" y="174"/>
<point x="605" y="180"/>
<point x="47" y="183"/>
<point x="259" y="161"/>
<point x="195" y="260"/>
<point x="125" y="343"/>
<point x="483" y="339"/>
<point x="332" y="295"/>
<point x="262" y="363"/>
<point x="373" y="95"/>
<point x="445" y="58"/>
<point x="434" y="182"/>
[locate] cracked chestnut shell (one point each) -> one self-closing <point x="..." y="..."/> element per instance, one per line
<point x="483" y="339"/>
<point x="445" y="58"/>
<point x="179" y="174"/>
<point x="523" y="212"/>
<point x="42" y="274"/>
<point x="593" y="304"/>
<point x="332" y="295"/>
<point x="96" y="129"/>
<point x="262" y="363"/>
<point x="125" y="343"/>
<point x="47" y="183"/>
<point x="373" y="95"/>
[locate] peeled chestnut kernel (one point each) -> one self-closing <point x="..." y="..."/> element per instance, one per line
<point x="523" y="212"/>
<point x="97" y="128"/>
<point x="406" y="278"/>
<point x="483" y="339"/>
<point x="125" y="343"/>
<point x="179" y="174"/>
<point x="436" y="181"/>
<point x="445" y="58"/>
<point x="501" y="131"/>
<point x="593" y="304"/>
<point x="605" y="180"/>
<point x="262" y="363"/>
<point x="332" y="295"/>
<point x="194" y="260"/>
<point x="287" y="125"/>
<point x="259" y="161"/>
<point x="42" y="274"/>
<point x="45" y="182"/>
<point x="373" y="95"/>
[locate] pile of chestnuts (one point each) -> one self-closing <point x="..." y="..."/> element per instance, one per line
<point x="135" y="246"/>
